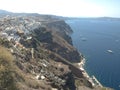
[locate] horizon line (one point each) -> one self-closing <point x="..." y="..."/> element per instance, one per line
<point x="7" y="11"/>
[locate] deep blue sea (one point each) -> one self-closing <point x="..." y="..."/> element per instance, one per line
<point x="93" y="38"/>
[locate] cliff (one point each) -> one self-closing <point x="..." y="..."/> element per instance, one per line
<point x="41" y="53"/>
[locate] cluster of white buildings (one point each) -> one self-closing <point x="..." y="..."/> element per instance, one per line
<point x="12" y="27"/>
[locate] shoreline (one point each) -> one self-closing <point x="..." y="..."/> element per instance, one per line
<point x="92" y="79"/>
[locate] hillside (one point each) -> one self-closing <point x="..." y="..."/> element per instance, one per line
<point x="38" y="55"/>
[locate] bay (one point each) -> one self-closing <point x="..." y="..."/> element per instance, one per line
<point x="94" y="39"/>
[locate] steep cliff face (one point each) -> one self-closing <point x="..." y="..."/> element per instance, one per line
<point x="38" y="51"/>
<point x="42" y="55"/>
<point x="60" y="28"/>
<point x="61" y="41"/>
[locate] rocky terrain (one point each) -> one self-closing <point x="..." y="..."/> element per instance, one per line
<point x="36" y="53"/>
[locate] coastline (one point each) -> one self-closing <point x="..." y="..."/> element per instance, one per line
<point x="92" y="79"/>
<point x="81" y="65"/>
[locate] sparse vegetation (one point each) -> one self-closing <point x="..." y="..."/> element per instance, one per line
<point x="4" y="42"/>
<point x="41" y="55"/>
<point x="7" y="81"/>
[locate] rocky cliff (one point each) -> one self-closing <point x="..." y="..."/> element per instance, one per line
<point x="41" y="53"/>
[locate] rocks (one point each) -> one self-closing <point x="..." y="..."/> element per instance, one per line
<point x="56" y="43"/>
<point x="42" y="77"/>
<point x="37" y="77"/>
<point x="42" y="53"/>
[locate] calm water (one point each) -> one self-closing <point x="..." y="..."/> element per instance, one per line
<point x="93" y="38"/>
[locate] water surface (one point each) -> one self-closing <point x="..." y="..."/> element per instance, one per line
<point x="93" y="38"/>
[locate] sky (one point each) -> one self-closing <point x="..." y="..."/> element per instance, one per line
<point x="71" y="8"/>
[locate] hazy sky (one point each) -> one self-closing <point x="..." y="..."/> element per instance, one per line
<point x="79" y="8"/>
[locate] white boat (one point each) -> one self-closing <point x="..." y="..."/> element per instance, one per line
<point x="110" y="51"/>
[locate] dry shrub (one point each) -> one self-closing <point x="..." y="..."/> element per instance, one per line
<point x="6" y="76"/>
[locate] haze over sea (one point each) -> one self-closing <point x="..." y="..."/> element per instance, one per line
<point x="94" y="38"/>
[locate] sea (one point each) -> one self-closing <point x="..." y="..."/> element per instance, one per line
<point x="99" y="41"/>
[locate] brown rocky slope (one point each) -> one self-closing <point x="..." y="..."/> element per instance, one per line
<point x="42" y="61"/>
